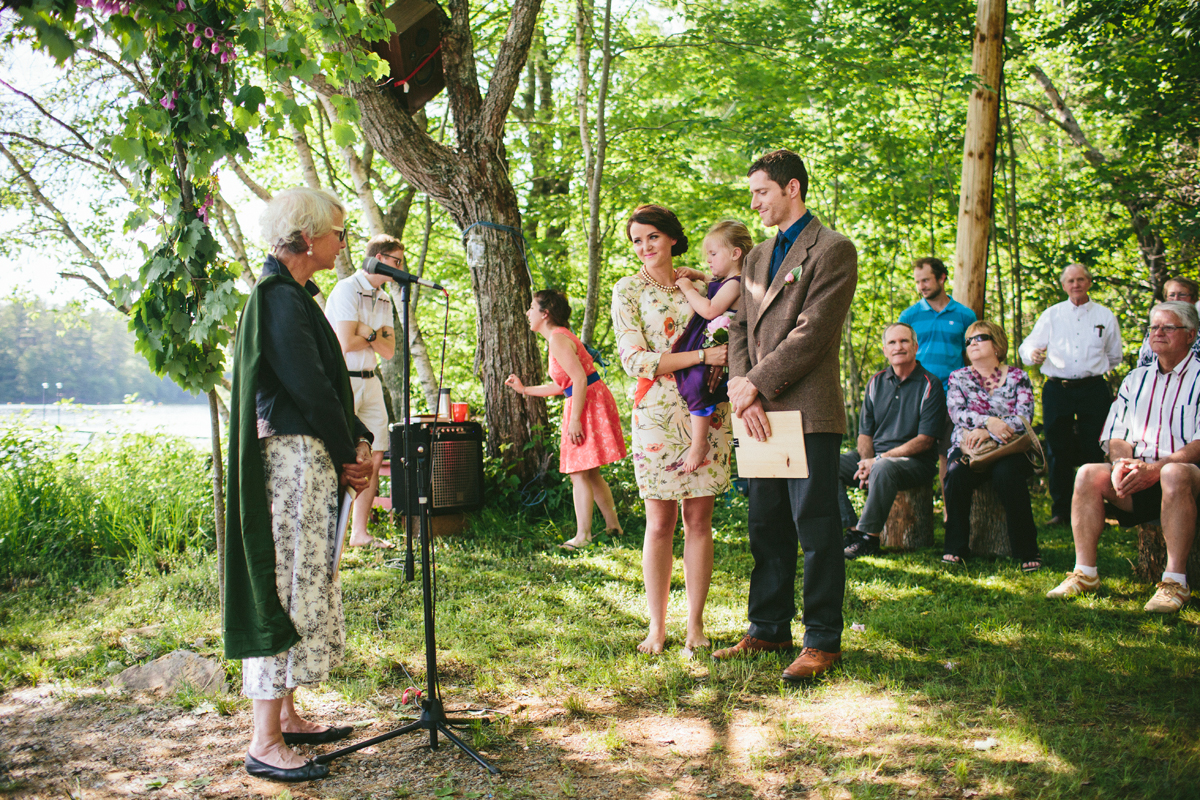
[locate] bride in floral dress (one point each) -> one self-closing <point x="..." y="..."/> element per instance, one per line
<point x="649" y="312"/>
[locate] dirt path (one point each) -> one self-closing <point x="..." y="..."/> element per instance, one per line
<point x="60" y="742"/>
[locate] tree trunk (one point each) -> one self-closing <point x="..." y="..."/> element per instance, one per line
<point x="595" y="176"/>
<point x="1014" y="231"/>
<point x="910" y="522"/>
<point x="218" y="480"/>
<point x="979" y="155"/>
<point x="1152" y="555"/>
<point x="1153" y="250"/>
<point x="471" y="181"/>
<point x="989" y="524"/>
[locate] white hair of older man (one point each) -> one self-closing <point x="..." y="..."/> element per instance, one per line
<point x="1185" y="312"/>
<point x="1086" y="271"/>
<point x="298" y="211"/>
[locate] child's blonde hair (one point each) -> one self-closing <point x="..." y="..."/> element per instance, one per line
<point x="732" y="234"/>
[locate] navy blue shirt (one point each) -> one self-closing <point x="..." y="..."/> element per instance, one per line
<point x="784" y="241"/>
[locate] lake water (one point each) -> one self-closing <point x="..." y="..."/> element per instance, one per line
<point x="83" y="422"/>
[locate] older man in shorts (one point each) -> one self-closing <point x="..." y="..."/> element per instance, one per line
<point x="1152" y="436"/>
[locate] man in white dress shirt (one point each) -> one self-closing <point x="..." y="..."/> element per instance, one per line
<point x="1152" y="435"/>
<point x="1075" y="342"/>
<point x="360" y="312"/>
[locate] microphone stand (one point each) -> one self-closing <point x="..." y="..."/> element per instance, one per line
<point x="418" y="458"/>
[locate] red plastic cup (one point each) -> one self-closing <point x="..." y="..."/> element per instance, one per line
<point x="459" y="411"/>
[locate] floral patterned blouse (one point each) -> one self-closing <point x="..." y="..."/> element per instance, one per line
<point x="969" y="404"/>
<point x="647" y="320"/>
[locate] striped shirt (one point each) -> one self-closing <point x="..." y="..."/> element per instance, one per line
<point x="941" y="335"/>
<point x="1156" y="412"/>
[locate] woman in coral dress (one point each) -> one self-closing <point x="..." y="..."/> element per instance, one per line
<point x="591" y="426"/>
<point x="649" y="313"/>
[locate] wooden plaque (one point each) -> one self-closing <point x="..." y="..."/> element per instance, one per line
<point x="782" y="455"/>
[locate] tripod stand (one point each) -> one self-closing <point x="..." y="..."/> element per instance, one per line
<point x="417" y="464"/>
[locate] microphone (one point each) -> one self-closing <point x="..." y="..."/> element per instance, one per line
<point x="374" y="266"/>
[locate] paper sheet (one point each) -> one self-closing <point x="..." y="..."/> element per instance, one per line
<point x="343" y="520"/>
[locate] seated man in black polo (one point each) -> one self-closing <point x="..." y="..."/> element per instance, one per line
<point x="903" y="412"/>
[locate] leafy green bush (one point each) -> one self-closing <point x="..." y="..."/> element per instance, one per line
<point x="69" y="511"/>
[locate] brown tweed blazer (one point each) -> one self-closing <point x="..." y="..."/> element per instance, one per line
<point x="786" y="337"/>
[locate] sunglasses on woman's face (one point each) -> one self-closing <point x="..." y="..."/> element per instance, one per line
<point x="341" y="232"/>
<point x="980" y="337"/>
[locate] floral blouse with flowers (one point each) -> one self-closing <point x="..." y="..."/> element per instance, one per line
<point x="970" y="404"/>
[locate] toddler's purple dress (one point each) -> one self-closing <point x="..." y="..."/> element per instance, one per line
<point x="691" y="381"/>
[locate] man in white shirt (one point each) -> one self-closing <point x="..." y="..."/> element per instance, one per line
<point x="1075" y="342"/>
<point x="1152" y="436"/>
<point x="360" y="312"/>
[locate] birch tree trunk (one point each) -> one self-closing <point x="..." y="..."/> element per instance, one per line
<point x="979" y="157"/>
<point x="595" y="172"/>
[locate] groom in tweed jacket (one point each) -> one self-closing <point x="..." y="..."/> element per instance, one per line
<point x="783" y="355"/>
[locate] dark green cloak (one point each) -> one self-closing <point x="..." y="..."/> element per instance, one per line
<point x="256" y="624"/>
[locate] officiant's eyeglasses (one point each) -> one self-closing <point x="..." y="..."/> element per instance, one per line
<point x="1167" y="328"/>
<point x="980" y="337"/>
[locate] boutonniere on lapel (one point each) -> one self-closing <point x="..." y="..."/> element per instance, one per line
<point x="791" y="276"/>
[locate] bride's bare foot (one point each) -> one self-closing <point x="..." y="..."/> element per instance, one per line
<point x="700" y="642"/>
<point x="653" y="644"/>
<point x="695" y="457"/>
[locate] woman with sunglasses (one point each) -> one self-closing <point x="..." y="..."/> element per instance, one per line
<point x="986" y="400"/>
<point x="294" y="445"/>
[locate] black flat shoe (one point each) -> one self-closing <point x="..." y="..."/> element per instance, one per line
<point x="311" y="771"/>
<point x="330" y="734"/>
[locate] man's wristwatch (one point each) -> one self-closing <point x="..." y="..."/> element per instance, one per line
<point x="371" y="338"/>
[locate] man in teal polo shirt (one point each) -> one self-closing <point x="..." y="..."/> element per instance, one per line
<point x="941" y="324"/>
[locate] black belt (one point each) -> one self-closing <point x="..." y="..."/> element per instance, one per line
<point x="1068" y="383"/>
<point x="366" y="373"/>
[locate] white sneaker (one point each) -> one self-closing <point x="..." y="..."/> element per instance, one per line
<point x="1169" y="598"/>
<point x="1076" y="583"/>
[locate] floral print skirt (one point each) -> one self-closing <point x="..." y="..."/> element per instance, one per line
<point x="662" y="434"/>
<point x="302" y="494"/>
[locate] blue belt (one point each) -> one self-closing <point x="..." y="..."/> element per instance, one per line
<point x="593" y="378"/>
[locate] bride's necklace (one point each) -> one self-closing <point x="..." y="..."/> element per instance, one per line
<point x="645" y="273"/>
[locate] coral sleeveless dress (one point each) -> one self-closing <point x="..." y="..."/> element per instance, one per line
<point x="603" y="438"/>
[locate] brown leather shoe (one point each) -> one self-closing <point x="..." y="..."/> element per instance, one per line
<point x="811" y="663"/>
<point x="749" y="646"/>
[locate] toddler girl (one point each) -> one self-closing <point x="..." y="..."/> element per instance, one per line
<point x="725" y="246"/>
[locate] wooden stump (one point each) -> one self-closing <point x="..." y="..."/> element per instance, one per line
<point x="1152" y="555"/>
<point x="989" y="524"/>
<point x="910" y="522"/>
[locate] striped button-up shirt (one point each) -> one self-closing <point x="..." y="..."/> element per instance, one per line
<point x="1156" y="412"/>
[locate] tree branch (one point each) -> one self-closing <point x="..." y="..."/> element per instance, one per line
<point x="97" y="288"/>
<point x="71" y="130"/>
<point x="60" y="219"/>
<point x="75" y="156"/>
<point x="458" y="67"/>
<point x="250" y="183"/>
<point x="1041" y="112"/>
<point x="1067" y="119"/>
<point x="507" y="71"/>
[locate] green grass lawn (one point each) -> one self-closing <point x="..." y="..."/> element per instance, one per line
<point x="1085" y="698"/>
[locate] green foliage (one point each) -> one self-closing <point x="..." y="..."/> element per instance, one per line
<point x="71" y="513"/>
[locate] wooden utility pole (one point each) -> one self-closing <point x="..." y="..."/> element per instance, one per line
<point x="979" y="156"/>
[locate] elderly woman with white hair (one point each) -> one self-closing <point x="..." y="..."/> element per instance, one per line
<point x="294" y="443"/>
